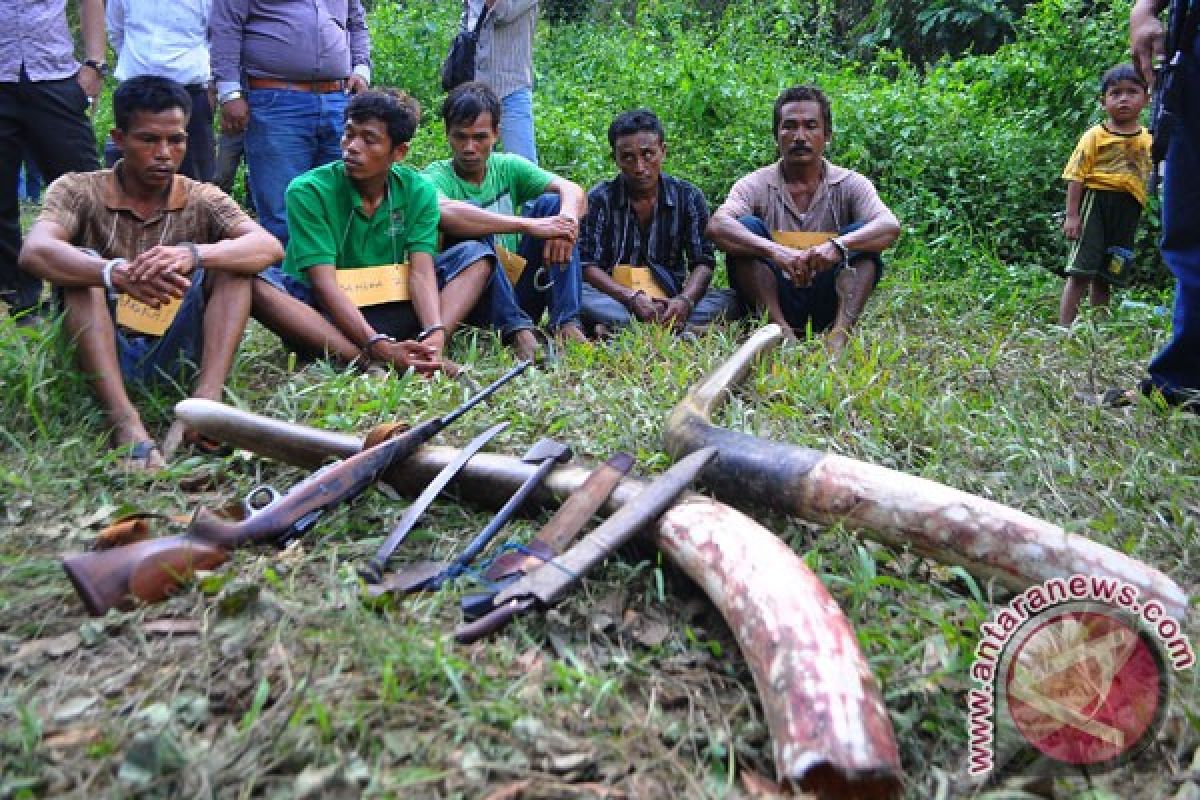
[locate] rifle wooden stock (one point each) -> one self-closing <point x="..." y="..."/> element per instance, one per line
<point x="147" y="571"/>
<point x="150" y="571"/>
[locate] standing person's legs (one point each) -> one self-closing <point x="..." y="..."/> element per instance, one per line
<point x="1176" y="368"/>
<point x="51" y="118"/>
<point x="516" y="124"/>
<point x="199" y="162"/>
<point x="281" y="143"/>
<point x="330" y="125"/>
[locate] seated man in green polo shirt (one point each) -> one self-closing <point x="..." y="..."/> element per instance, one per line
<point x="359" y="280"/>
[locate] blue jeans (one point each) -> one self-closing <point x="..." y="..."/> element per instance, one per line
<point x="1177" y="365"/>
<point x="516" y="124"/>
<point x="290" y="132"/>
<point x="599" y="308"/>
<point x="175" y="355"/>
<point x="816" y="304"/>
<point x="542" y="287"/>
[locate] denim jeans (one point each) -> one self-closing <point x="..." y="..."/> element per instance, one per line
<point x="290" y="132"/>
<point x="543" y="287"/>
<point x="816" y="304"/>
<point x="516" y="124"/>
<point x="1177" y="365"/>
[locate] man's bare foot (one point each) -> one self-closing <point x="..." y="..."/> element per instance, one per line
<point x="571" y="332"/>
<point x="525" y="344"/>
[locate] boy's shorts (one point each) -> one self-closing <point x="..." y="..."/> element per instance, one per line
<point x="1110" y="220"/>
<point x="397" y="320"/>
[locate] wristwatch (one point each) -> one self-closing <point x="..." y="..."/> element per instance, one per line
<point x="99" y="66"/>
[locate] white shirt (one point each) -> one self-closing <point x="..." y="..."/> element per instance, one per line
<point x="160" y="37"/>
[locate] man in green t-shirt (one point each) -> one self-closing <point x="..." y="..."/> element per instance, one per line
<point x="494" y="187"/>
<point x="370" y="211"/>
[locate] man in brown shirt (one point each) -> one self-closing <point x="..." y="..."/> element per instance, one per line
<point x="153" y="269"/>
<point x="803" y="236"/>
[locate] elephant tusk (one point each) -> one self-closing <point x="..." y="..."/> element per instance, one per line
<point x="990" y="540"/>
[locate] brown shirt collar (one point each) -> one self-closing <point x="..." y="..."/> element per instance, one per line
<point x="115" y="198"/>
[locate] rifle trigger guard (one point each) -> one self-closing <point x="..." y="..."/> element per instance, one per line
<point x="259" y="499"/>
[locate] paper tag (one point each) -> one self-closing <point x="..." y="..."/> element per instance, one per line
<point x="372" y="286"/>
<point x="638" y="279"/>
<point x="141" y="318"/>
<point x="801" y="239"/>
<point x="513" y="264"/>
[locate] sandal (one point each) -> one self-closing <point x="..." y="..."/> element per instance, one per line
<point x="141" y="456"/>
<point x="179" y="435"/>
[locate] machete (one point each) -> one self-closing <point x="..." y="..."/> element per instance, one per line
<point x="549" y="583"/>
<point x="372" y="571"/>
<point x="555" y="535"/>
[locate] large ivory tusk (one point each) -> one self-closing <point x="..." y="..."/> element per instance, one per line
<point x="830" y="730"/>
<point x="989" y="539"/>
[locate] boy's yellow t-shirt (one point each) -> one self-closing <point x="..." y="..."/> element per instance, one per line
<point x="1114" y="162"/>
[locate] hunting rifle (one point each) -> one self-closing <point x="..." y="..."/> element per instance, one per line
<point x="149" y="571"/>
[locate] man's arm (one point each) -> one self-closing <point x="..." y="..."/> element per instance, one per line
<point x="49" y="254"/>
<point x="226" y="26"/>
<point x="572" y="204"/>
<point x="1146" y="36"/>
<point x="464" y="220"/>
<point x="360" y="47"/>
<point x="91" y="22"/>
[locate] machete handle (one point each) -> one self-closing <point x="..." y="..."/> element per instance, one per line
<point x="493" y="621"/>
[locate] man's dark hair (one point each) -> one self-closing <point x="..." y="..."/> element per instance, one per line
<point x="399" y="112"/>
<point x="1121" y="72"/>
<point x="631" y="122"/>
<point x="467" y="101"/>
<point x="150" y="93"/>
<point x="803" y="94"/>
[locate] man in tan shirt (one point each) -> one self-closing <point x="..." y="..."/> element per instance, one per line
<point x="154" y="270"/>
<point x="803" y="236"/>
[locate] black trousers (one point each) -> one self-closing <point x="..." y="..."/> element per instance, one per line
<point x="50" y="119"/>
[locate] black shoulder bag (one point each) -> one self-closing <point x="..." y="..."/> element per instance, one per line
<point x="459" y="66"/>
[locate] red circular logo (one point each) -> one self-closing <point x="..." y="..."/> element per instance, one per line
<point x="1085" y="687"/>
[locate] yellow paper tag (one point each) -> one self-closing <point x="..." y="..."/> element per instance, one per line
<point x="801" y="239"/>
<point x="513" y="264"/>
<point x="372" y="286"/>
<point x="638" y="279"/>
<point x="141" y="318"/>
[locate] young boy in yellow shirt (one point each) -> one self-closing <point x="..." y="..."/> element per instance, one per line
<point x="1106" y="190"/>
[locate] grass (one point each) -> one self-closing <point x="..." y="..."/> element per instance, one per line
<point x="307" y="676"/>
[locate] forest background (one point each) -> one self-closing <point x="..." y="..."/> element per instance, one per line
<point x="274" y="679"/>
